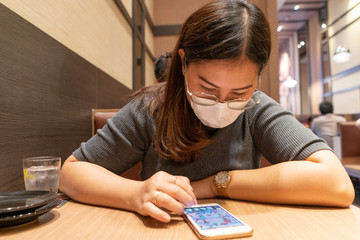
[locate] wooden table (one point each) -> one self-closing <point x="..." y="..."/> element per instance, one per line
<point x="79" y="221"/>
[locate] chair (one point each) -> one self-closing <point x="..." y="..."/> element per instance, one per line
<point x="350" y="147"/>
<point x="350" y="139"/>
<point x="99" y="119"/>
<point x="100" y="116"/>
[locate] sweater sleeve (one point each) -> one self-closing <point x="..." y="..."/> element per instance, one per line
<point x="122" y="142"/>
<point x="279" y="136"/>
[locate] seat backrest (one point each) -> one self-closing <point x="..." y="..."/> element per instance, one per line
<point x="100" y="116"/>
<point x="350" y="139"/>
<point x="99" y="119"/>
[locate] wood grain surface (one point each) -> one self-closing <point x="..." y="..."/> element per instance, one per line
<point x="46" y="96"/>
<point x="281" y="222"/>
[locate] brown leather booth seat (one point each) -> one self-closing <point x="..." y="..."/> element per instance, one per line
<point x="350" y="147"/>
<point x="99" y="119"/>
<point x="100" y="116"/>
<point x="350" y="139"/>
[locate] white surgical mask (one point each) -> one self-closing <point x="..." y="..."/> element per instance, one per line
<point x="216" y="116"/>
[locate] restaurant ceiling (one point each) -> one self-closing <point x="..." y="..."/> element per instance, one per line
<point x="293" y="15"/>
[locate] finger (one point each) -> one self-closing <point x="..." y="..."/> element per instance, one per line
<point x="155" y="196"/>
<point x="173" y="180"/>
<point x="184" y="179"/>
<point x="165" y="201"/>
<point x="153" y="211"/>
<point x="184" y="183"/>
<point x="178" y="193"/>
<point x="181" y="190"/>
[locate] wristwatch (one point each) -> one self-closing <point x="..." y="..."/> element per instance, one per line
<point x="221" y="181"/>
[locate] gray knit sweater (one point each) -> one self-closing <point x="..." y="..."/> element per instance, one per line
<point x="266" y="129"/>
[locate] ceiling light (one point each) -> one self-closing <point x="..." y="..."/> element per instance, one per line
<point x="299" y="45"/>
<point x="279" y="28"/>
<point x="341" y="54"/>
<point x="296" y="7"/>
<point x="302" y="43"/>
<point x="323" y="26"/>
<point x="290" y="82"/>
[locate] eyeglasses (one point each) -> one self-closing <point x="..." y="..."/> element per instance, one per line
<point x="206" y="99"/>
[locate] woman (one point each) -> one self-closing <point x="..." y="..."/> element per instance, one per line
<point x="200" y="134"/>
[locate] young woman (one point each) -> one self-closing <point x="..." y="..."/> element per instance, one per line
<point x="201" y="133"/>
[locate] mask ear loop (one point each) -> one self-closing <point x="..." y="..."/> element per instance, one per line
<point x="184" y="63"/>
<point x="185" y="76"/>
<point x="259" y="83"/>
<point x="257" y="91"/>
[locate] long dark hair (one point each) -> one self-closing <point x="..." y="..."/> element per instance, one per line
<point x="225" y="29"/>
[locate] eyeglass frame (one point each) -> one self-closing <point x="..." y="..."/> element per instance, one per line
<point x="218" y="99"/>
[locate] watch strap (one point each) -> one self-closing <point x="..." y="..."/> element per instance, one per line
<point x="221" y="188"/>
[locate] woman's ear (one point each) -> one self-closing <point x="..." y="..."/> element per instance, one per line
<point x="182" y="56"/>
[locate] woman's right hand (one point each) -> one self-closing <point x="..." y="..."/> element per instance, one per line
<point x="90" y="183"/>
<point x="164" y="191"/>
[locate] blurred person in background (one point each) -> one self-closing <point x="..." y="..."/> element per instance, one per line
<point x="326" y="126"/>
<point x="161" y="65"/>
<point x="357" y="123"/>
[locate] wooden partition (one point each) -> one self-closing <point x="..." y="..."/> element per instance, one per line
<point x="46" y="96"/>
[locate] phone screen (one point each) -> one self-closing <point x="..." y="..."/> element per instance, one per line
<point x="212" y="217"/>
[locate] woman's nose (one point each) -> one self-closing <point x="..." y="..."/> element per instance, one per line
<point x="223" y="96"/>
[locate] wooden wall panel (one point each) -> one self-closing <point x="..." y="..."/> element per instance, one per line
<point x="46" y="96"/>
<point x="96" y="30"/>
<point x="110" y="93"/>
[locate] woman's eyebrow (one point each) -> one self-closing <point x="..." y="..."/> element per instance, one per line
<point x="236" y="89"/>
<point x="204" y="80"/>
<point x="243" y="88"/>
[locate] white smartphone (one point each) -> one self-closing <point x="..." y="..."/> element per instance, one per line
<point x="211" y="221"/>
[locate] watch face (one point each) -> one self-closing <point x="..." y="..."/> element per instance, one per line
<point x="222" y="177"/>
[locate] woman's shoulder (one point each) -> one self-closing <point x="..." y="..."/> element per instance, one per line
<point x="267" y="103"/>
<point x="265" y="99"/>
<point x="267" y="109"/>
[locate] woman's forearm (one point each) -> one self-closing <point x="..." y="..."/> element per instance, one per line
<point x="297" y="182"/>
<point x="90" y="183"/>
<point x="321" y="180"/>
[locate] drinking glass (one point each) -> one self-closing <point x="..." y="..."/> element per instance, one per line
<point x="42" y="173"/>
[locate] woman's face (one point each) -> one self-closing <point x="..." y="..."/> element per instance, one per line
<point x="226" y="79"/>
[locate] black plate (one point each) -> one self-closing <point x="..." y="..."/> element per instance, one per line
<point x="17" y="219"/>
<point x="18" y="201"/>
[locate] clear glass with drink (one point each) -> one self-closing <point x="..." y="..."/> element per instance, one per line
<point x="42" y="173"/>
